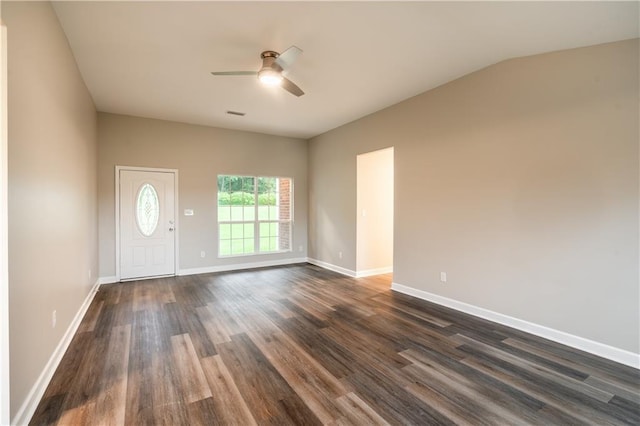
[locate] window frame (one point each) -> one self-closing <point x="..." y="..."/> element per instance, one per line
<point x="256" y="221"/>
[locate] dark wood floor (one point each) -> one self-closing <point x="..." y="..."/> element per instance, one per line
<point x="302" y="345"/>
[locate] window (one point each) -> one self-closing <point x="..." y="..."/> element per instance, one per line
<point x="254" y="214"/>
<point x="147" y="210"/>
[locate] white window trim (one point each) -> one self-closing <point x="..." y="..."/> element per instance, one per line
<point x="256" y="222"/>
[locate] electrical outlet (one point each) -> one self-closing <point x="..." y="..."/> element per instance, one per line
<point x="300" y="249"/>
<point x="202" y="254"/>
<point x="443" y="277"/>
<point x="340" y="254"/>
<point x="54" y="318"/>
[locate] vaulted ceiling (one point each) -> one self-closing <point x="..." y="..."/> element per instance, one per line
<point x="154" y="58"/>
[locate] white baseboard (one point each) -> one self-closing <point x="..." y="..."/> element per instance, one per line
<point x="238" y="266"/>
<point x="331" y="267"/>
<point x="28" y="407"/>
<point x="107" y="280"/>
<point x="371" y="272"/>
<point x="600" y="349"/>
<point x="220" y="268"/>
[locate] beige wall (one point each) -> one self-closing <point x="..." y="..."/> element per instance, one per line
<point x="200" y="154"/>
<point x="374" y="199"/>
<point x="52" y="189"/>
<point x="520" y="181"/>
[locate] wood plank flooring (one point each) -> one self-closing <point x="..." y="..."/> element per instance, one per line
<point x="303" y="345"/>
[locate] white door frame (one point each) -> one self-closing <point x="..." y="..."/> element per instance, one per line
<point x="4" y="241"/>
<point x="117" y="212"/>
<point x="363" y="232"/>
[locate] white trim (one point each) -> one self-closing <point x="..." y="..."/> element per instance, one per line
<point x="260" y="253"/>
<point x="152" y="277"/>
<point x="256" y="221"/>
<point x="176" y="212"/>
<point x="600" y="349"/>
<point x="331" y="267"/>
<point x="4" y="244"/>
<point x="107" y="280"/>
<point x="238" y="266"/>
<point x="28" y="408"/>
<point x="377" y="271"/>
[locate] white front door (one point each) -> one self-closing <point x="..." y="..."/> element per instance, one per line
<point x="147" y="224"/>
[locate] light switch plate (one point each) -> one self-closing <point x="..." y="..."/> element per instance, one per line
<point x="188" y="212"/>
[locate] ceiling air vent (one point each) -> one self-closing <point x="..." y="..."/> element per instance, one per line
<point x="241" y="114"/>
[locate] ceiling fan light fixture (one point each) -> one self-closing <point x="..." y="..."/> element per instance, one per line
<point x="274" y="68"/>
<point x="270" y="77"/>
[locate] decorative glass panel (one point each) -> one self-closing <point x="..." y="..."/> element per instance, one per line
<point x="147" y="210"/>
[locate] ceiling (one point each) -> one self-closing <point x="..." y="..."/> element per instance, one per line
<point x="153" y="58"/>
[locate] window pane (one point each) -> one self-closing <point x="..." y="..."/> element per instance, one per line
<point x="224" y="213"/>
<point x="247" y="185"/>
<point x="147" y="210"/>
<point x="224" y="231"/>
<point x="225" y="247"/>
<point x="242" y="246"/>
<point x="237" y="230"/>
<point x="249" y="213"/>
<point x="263" y="212"/>
<point x="248" y="230"/>
<point x="237" y="213"/>
<point x="264" y="244"/>
<point x="267" y="199"/>
<point x="266" y="185"/>
<point x="235" y="198"/>
<point x="264" y="229"/>
<point x="269" y="244"/>
<point x="237" y="246"/>
<point x="223" y="183"/>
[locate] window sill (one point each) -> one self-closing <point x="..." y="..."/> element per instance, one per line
<point x="254" y="254"/>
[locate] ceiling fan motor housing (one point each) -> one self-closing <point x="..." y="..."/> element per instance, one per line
<point x="269" y="61"/>
<point x="272" y="71"/>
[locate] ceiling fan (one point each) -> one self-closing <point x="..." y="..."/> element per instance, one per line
<point x="274" y="66"/>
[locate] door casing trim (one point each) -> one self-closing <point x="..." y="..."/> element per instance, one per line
<point x="116" y="213"/>
<point x="5" y="406"/>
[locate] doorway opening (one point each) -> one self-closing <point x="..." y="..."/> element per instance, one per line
<point x="375" y="192"/>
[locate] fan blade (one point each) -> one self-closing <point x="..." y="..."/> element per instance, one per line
<point x="291" y="87"/>
<point x="234" y="73"/>
<point x="288" y="57"/>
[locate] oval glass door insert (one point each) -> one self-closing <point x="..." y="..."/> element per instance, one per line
<point x="147" y="210"/>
